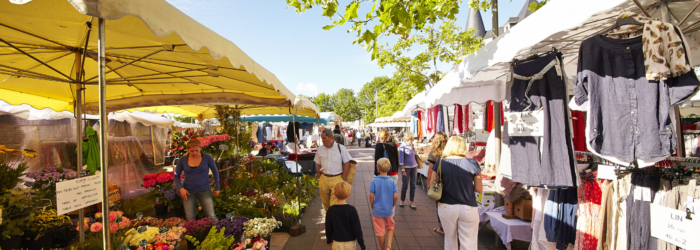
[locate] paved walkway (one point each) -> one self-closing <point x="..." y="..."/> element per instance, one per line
<point x="413" y="227"/>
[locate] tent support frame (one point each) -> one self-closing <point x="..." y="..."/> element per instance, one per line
<point x="103" y="130"/>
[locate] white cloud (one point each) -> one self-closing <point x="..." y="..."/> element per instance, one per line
<point x="309" y="89"/>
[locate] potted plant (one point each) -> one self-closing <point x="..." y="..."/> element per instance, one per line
<point x="162" y="190"/>
<point x="254" y="244"/>
<point x="119" y="229"/>
<point x="260" y="228"/>
<point x="15" y="204"/>
<point x="40" y="234"/>
<point x="44" y="182"/>
<point x="171" y="238"/>
<point x="198" y="229"/>
<point x="233" y="227"/>
<point x="214" y="240"/>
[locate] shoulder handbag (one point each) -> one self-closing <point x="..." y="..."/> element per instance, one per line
<point x="418" y="159"/>
<point x="435" y="191"/>
<point x="351" y="171"/>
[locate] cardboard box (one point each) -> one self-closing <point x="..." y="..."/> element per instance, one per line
<point x="523" y="209"/>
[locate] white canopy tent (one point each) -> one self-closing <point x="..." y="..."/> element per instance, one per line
<point x="482" y="75"/>
<point x="331" y="117"/>
<point x="399" y="116"/>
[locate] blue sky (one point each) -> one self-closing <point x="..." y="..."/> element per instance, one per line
<point x="306" y="58"/>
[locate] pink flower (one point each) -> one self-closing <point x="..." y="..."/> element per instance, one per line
<point x="180" y="148"/>
<point x="125" y="223"/>
<point x="96" y="227"/>
<point x="112" y="217"/>
<point x="139" y="248"/>
<point x="85" y="227"/>
<point x="171" y="247"/>
<point x="113" y="228"/>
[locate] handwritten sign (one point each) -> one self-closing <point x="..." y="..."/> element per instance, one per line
<point x="230" y="216"/>
<point x="142" y="229"/>
<point x="163" y="230"/>
<point x="143" y="243"/>
<point x="674" y="227"/>
<point x="525" y="123"/>
<point x="75" y="194"/>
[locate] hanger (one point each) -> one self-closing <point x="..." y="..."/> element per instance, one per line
<point x="627" y="20"/>
<point x="534" y="56"/>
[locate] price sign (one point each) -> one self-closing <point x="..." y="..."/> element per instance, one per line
<point x="606" y="172"/>
<point x="675" y="227"/>
<point x="143" y="243"/>
<point x="230" y="216"/>
<point x="118" y="220"/>
<point x="141" y="229"/>
<point x="84" y="173"/>
<point x="75" y="194"/>
<point x="163" y="230"/>
<point x="139" y="215"/>
<point x="525" y="123"/>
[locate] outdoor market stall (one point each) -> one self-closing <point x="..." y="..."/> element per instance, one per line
<point x="100" y="56"/>
<point x="571" y="27"/>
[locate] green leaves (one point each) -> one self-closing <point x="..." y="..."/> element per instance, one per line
<point x="383" y="18"/>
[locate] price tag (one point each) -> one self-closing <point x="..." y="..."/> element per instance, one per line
<point x="230" y="216"/>
<point x="141" y="229"/>
<point x="84" y="173"/>
<point x="646" y="194"/>
<point x="606" y="172"/>
<point x="163" y="230"/>
<point x="118" y="220"/>
<point x="143" y="243"/>
<point x="673" y="226"/>
<point x="139" y="215"/>
<point x="529" y="124"/>
<point x="637" y="193"/>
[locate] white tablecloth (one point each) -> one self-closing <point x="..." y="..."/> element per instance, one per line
<point x="509" y="230"/>
<point x="424" y="170"/>
<point x="483" y="217"/>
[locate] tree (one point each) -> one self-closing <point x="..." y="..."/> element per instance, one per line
<point x="384" y="18"/>
<point x="345" y="105"/>
<point x="448" y="44"/>
<point x="486" y="4"/>
<point x="324" y="102"/>
<point x="367" y="97"/>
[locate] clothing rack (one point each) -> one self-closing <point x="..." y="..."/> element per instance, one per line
<point x="670" y="158"/>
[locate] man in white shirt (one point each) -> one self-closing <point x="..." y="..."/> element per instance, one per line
<point x="332" y="165"/>
<point x="359" y="138"/>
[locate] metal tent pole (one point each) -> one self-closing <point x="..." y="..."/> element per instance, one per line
<point x="103" y="131"/>
<point x="78" y="134"/>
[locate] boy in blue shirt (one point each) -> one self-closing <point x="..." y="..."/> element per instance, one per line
<point x="382" y="198"/>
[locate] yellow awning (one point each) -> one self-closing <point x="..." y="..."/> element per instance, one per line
<point x="301" y="107"/>
<point x="156" y="56"/>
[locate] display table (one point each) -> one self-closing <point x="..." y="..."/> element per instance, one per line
<point x="509" y="230"/>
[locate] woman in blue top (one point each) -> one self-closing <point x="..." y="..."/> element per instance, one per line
<point x="457" y="208"/>
<point x="407" y="161"/>
<point x="196" y="184"/>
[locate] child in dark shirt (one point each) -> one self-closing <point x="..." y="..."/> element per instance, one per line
<point x="342" y="221"/>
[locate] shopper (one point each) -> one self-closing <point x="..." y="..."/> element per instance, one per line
<point x="196" y="186"/>
<point x="332" y="165"/>
<point x="383" y="194"/>
<point x="343" y="226"/>
<point x="266" y="150"/>
<point x="409" y="168"/>
<point x="438" y="141"/>
<point x="386" y="148"/>
<point x="458" y="208"/>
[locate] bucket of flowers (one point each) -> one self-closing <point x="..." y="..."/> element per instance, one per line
<point x="260" y="228"/>
<point x="162" y="190"/>
<point x="198" y="229"/>
<point x="119" y="226"/>
<point x="255" y="244"/>
<point x="171" y="239"/>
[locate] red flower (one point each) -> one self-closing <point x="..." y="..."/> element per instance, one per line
<point x="149" y="176"/>
<point x="185" y="139"/>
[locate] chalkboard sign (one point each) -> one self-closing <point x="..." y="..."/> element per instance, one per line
<point x="230" y="216"/>
<point x="163" y="230"/>
<point x="143" y="243"/>
<point x="139" y="215"/>
<point x="142" y="229"/>
<point x="118" y="220"/>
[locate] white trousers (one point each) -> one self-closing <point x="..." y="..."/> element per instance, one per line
<point x="459" y="221"/>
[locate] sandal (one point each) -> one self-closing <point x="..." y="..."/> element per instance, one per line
<point x="436" y="230"/>
<point x="401" y="204"/>
<point x="413" y="207"/>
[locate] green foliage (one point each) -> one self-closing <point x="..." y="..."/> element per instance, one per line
<point x="486" y="5"/>
<point x="17" y="214"/>
<point x="324" y="102"/>
<point x="367" y="100"/>
<point x="345" y="105"/>
<point x="46" y="221"/>
<point x="13" y="163"/>
<point x="446" y="45"/>
<point x="214" y="241"/>
<point x="382" y="17"/>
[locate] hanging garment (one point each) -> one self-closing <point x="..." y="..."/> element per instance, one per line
<point x="414" y="122"/>
<point x="554" y="165"/>
<point x="636" y="124"/>
<point x="560" y="217"/>
<point x="91" y="151"/>
<point x="539" y="237"/>
<point x="638" y="213"/>
<point x="290" y="131"/>
<point x="469" y="118"/>
<point x="591" y="213"/>
<point x="458" y="120"/>
<point x="579" y="133"/>
<point x="254" y="135"/>
<point x="440" y="127"/>
<point x="420" y="124"/>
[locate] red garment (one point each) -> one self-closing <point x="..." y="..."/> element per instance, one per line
<point x="419" y="127"/>
<point x="579" y="124"/>
<point x="458" y="120"/>
<point x="468" y="118"/>
<point x="490" y="116"/>
<point x="693" y="126"/>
